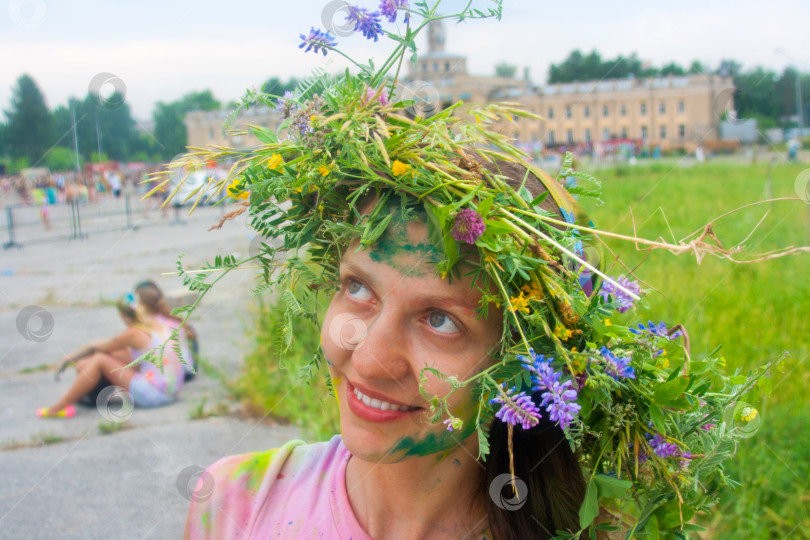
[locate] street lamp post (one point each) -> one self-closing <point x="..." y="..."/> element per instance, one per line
<point x="798" y="90"/>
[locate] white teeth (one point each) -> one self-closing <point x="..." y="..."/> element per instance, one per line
<point x="379" y="404"/>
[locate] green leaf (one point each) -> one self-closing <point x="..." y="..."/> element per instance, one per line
<point x="670" y="390"/>
<point x="267" y="137"/>
<point x="539" y="199"/>
<point x="590" y="506"/>
<point x="669" y="514"/>
<point x="657" y="416"/>
<point x="611" y="487"/>
<point x="378" y="230"/>
<point x="652" y="529"/>
<point x="485" y="206"/>
<point x="496" y="227"/>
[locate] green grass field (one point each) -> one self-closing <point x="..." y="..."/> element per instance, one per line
<point x="754" y="311"/>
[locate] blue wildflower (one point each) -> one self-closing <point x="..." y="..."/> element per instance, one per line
<point x="617" y="366"/>
<point x="388" y="8"/>
<point x="517" y="409"/>
<point x="659" y="330"/>
<point x="365" y="21"/>
<point x="286" y="104"/>
<point x="317" y="40"/>
<point x="559" y="398"/>
<point x="624" y="300"/>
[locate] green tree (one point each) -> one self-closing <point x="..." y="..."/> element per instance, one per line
<point x="277" y="87"/>
<point x="170" y="131"/>
<point x="61" y="159"/>
<point x="505" y="70"/>
<point x="29" y="127"/>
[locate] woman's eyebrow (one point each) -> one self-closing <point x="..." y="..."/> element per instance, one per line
<point x="357" y="270"/>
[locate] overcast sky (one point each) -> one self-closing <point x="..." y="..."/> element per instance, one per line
<point x="163" y="49"/>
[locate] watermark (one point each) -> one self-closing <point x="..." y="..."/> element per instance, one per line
<point x="255" y="248"/>
<point x="115" y="404"/>
<point x="727" y="104"/>
<point x="742" y="418"/>
<point x="35" y="323"/>
<point x="802" y="185"/>
<point x="518" y="490"/>
<point x="653" y="26"/>
<point x="334" y="18"/>
<point x="425" y="98"/>
<point x="107" y="90"/>
<point x="195" y="484"/>
<point x="28" y="14"/>
<point x="347" y="331"/>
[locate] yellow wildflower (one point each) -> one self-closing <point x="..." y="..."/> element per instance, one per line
<point x="722" y="361"/>
<point x="748" y="413"/>
<point x="608" y="323"/>
<point x="275" y="161"/>
<point x="324" y="170"/>
<point x="399" y="168"/>
<point x="532" y="290"/>
<point x="663" y="362"/>
<point x="235" y="192"/>
<point x="519" y="303"/>
<point x="562" y="332"/>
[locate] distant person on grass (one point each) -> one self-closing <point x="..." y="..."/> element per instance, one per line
<point x="148" y="384"/>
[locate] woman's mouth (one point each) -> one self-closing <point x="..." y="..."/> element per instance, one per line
<point x="374" y="409"/>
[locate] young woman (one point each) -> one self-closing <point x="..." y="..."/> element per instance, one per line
<point x="391" y="473"/>
<point x="149" y="385"/>
<point x="151" y="297"/>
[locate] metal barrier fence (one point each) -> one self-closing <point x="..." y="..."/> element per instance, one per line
<point x="23" y="224"/>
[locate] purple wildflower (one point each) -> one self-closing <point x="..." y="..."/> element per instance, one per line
<point x="616" y="366"/>
<point x="662" y="448"/>
<point x="559" y="398"/>
<point x="317" y="40"/>
<point x="388" y="8"/>
<point x="286" y="104"/>
<point x="365" y="21"/>
<point x="517" y="409"/>
<point x="383" y="99"/>
<point x="624" y="300"/>
<point x="468" y="226"/>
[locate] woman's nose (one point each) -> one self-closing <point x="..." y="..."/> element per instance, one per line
<point x="381" y="350"/>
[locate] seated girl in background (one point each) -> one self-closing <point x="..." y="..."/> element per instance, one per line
<point x="149" y="385"/>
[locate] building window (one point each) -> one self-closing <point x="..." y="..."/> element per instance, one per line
<point x="587" y="135"/>
<point x="568" y="112"/>
<point x="447" y="66"/>
<point x="624" y="109"/>
<point x="570" y="136"/>
<point x="550" y="113"/>
<point x="644" y="132"/>
<point x="211" y="133"/>
<point x="424" y="67"/>
<point x="662" y="107"/>
<point x="587" y="111"/>
<point x="643" y="108"/>
<point x="551" y="138"/>
<point x="663" y="132"/>
<point x="465" y="95"/>
<point x="682" y="131"/>
<point x="624" y="132"/>
<point x="605" y="110"/>
<point x="605" y="134"/>
<point x="681" y="106"/>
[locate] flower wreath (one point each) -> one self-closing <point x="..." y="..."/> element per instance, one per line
<point x="651" y="425"/>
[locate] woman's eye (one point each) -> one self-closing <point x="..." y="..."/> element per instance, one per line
<point x="357" y="290"/>
<point x="441" y="322"/>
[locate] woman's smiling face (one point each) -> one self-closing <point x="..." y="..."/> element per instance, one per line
<point x="392" y="317"/>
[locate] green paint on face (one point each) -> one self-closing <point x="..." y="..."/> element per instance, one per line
<point x="401" y="252"/>
<point x="441" y="442"/>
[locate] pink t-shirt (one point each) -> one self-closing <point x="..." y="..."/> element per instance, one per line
<point x="296" y="491"/>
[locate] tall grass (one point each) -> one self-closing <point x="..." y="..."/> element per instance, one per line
<point x="754" y="311"/>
